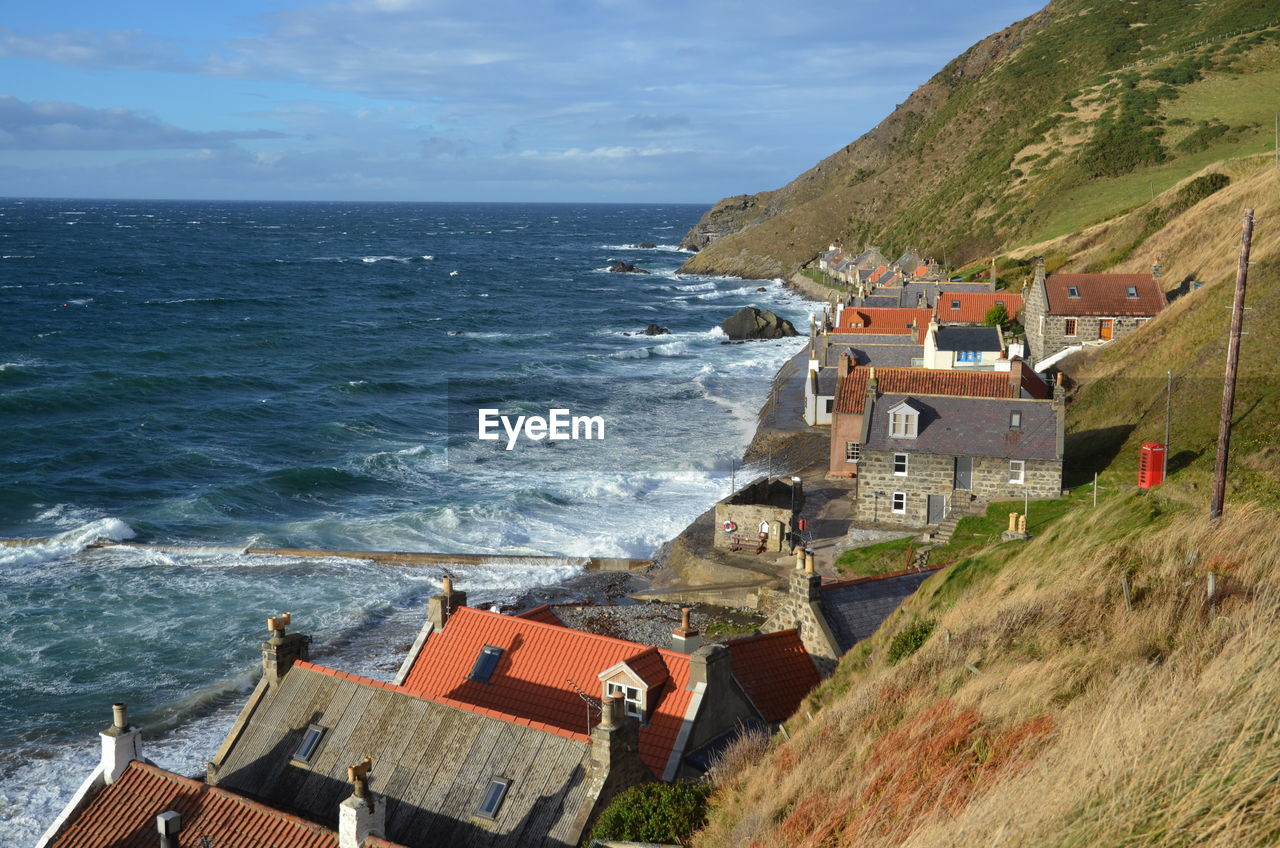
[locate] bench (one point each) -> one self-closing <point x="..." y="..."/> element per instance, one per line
<point x="754" y="543"/>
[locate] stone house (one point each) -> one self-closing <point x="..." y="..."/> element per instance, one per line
<point x="861" y="386"/>
<point x="924" y="456"/>
<point x="831" y="616"/>
<point x="1067" y="311"/>
<point x="764" y="506"/>
<point x="975" y="348"/>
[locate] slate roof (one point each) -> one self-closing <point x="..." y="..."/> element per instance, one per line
<point x="542" y="613"/>
<point x="123" y="815"/>
<point x="1104" y="294"/>
<point x="968" y="338"/>
<point x="972" y="307"/>
<point x="827" y="380"/>
<point x="852" y="396"/>
<point x="775" y="670"/>
<point x="855" y="608"/>
<point x="532" y="678"/>
<point x="960" y="426"/>
<point x="432" y="762"/>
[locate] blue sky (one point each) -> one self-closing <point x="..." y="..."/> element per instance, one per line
<point x="543" y="100"/>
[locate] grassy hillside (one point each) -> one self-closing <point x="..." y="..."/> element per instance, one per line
<point x="1072" y="116"/>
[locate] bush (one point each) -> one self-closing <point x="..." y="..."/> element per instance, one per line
<point x="997" y="316"/>
<point x="909" y="640"/>
<point x="654" y="812"/>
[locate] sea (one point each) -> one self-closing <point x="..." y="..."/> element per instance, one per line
<point x="210" y="377"/>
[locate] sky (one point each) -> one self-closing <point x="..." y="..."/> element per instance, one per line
<point x="446" y="100"/>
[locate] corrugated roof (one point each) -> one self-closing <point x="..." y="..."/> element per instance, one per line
<point x="855" y="608"/>
<point x="852" y="395"/>
<point x="532" y="678"/>
<point x="123" y="815"/>
<point x="1104" y="294"/>
<point x="775" y="670"/>
<point x="884" y="321"/>
<point x="972" y="307"/>
<point x="966" y="426"/>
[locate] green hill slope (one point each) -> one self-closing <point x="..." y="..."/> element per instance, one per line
<point x="1078" y="113"/>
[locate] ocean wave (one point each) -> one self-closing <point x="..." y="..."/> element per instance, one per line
<point x="66" y="544"/>
<point x="670" y="248"/>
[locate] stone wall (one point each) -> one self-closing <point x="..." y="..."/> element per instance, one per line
<point x="934" y="474"/>
<point x="801" y="610"/>
<point x="748" y="517"/>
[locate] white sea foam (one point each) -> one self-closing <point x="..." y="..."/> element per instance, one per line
<point x="670" y="248"/>
<point x="66" y="544"/>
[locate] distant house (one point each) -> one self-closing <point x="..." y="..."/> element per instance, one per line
<point x="921" y="457"/>
<point x="859" y="389"/>
<point x="972" y="307"/>
<point x="831" y="616"/>
<point x="975" y="348"/>
<point x="1067" y="310"/>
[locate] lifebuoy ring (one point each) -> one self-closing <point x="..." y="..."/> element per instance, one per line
<point x="729" y="527"/>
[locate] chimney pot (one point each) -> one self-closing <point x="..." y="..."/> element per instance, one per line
<point x="169" y="825"/>
<point x="808" y="561"/>
<point x="120" y="716"/>
<point x="447" y="587"/>
<point x="608" y="712"/>
<point x="684" y="618"/>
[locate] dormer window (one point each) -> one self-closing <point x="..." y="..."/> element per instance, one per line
<point x="904" y="422"/>
<point x="632" y="699"/>
<point x="1072" y="291"/>
<point x="1131" y="291"/>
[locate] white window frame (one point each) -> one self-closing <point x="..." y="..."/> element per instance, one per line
<point x="898" y="503"/>
<point x="632" y="698"/>
<point x="1015" y="419"/>
<point x="852" y="451"/>
<point x="1017" y="471"/>
<point x="909" y="422"/>
<point x="903" y="459"/>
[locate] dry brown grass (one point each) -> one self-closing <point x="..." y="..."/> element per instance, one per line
<point x="1090" y="720"/>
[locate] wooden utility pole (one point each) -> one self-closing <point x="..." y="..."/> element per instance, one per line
<point x="1233" y="361"/>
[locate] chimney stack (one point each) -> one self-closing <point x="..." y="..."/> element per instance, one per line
<point x="441" y="606"/>
<point x="282" y="649"/>
<point x="363" y="814"/>
<point x="169" y="825"/>
<point x="121" y="744"/>
<point x="684" y="639"/>
<point x="1155" y="270"/>
<point x="1039" y="270"/>
<point x="844" y="365"/>
<point x="1015" y="377"/>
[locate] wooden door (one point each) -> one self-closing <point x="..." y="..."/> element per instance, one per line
<point x="964" y="473"/>
<point x="937" y="508"/>
<point x="1104" y="329"/>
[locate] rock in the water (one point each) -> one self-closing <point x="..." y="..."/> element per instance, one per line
<point x="750" y="323"/>
<point x="645" y="245"/>
<point x="626" y="268"/>
<point x="762" y="288"/>
<point x="655" y="330"/>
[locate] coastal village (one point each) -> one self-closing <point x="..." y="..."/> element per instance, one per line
<point x="928" y="398"/>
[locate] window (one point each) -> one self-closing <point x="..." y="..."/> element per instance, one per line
<point x="1017" y="471"/>
<point x="1131" y="291"/>
<point x="1015" y="420"/>
<point x="968" y="356"/>
<point x="310" y="742"/>
<point x="830" y="404"/>
<point x="493" y="795"/>
<point x="1072" y="291"/>
<point x="630" y="695"/>
<point x="1069" y="327"/>
<point x="999" y="303"/>
<point x="902" y="425"/>
<point x="485" y="664"/>
<point x="900" y="502"/>
<point x="955" y="304"/>
<point x="900" y="464"/>
<point x="1142" y="321"/>
<point x="852" y="451"/>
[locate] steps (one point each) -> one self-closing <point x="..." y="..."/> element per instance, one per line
<point x="940" y="534"/>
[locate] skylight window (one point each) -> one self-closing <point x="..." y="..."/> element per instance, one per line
<point x="493" y="795"/>
<point x="309" y="744"/>
<point x="1072" y="291"/>
<point x="485" y="664"/>
<point x="955" y="304"/>
<point x="1131" y="291"/>
<point x="1015" y="420"/>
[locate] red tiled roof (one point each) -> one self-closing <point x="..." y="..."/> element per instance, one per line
<point x="532" y="678"/>
<point x="541" y="613"/>
<point x="123" y="815"/>
<point x="776" y="671"/>
<point x="884" y="319"/>
<point x="1103" y="294"/>
<point x="851" y="396"/>
<point x="974" y="305"/>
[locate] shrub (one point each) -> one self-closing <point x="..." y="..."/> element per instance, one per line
<point x="997" y="316"/>
<point x="654" y="812"/>
<point x="746" y="749"/>
<point x="909" y="640"/>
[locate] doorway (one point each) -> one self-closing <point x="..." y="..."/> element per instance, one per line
<point x="964" y="473"/>
<point x="1104" y="328"/>
<point x="937" y="509"/>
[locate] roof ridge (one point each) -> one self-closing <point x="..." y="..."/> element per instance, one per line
<point x="445" y="700"/>
<point x="543" y="624"/>
<point x="835" y="584"/>
<point x="757" y="637"/>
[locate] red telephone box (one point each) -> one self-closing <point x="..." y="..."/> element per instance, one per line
<point x="1151" y="465"/>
